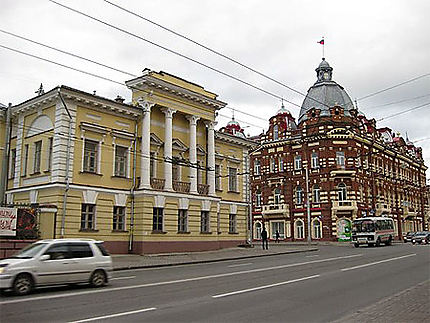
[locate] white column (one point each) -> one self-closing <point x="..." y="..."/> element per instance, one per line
<point x="193" y="153"/>
<point x="168" y="148"/>
<point x="146" y="144"/>
<point x="211" y="156"/>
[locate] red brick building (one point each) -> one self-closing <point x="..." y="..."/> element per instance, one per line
<point x="354" y="169"/>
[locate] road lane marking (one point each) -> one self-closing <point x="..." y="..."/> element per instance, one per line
<point x="115" y="315"/>
<point x="120" y="278"/>
<point x="312" y="256"/>
<point x="378" y="262"/>
<point x="264" y="287"/>
<point x="239" y="265"/>
<point x="235" y="273"/>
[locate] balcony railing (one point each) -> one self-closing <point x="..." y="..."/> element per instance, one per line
<point x="157" y="183"/>
<point x="182" y="187"/>
<point x="276" y="209"/>
<point x="345" y="205"/>
<point x="203" y="189"/>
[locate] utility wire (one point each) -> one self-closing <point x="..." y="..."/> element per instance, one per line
<point x="392" y="87"/>
<point x="396" y="102"/>
<point x="212" y="51"/>
<point x="404" y="111"/>
<point x="174" y="52"/>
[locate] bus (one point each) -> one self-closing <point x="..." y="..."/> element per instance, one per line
<point x="373" y="231"/>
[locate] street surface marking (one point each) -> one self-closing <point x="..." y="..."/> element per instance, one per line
<point x="312" y="256"/>
<point x="265" y="286"/>
<point x="115" y="315"/>
<point x="238" y="265"/>
<point x="235" y="273"/>
<point x="119" y="278"/>
<point x="378" y="262"/>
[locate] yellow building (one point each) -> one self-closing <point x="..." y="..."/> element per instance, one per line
<point x="147" y="177"/>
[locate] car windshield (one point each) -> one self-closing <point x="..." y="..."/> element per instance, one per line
<point x="30" y="251"/>
<point x="363" y="226"/>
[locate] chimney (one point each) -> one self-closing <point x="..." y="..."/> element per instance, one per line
<point x="119" y="99"/>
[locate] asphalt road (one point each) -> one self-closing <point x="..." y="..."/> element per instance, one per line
<point x="320" y="286"/>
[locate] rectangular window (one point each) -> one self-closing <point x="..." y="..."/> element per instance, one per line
<point x="232" y="179"/>
<point x="175" y="171"/>
<point x="12" y="163"/>
<point x="314" y="160"/>
<point x="217" y="177"/>
<point x="281" y="165"/>
<point x="232" y="223"/>
<point x="118" y="218"/>
<point x="25" y="161"/>
<point x="258" y="199"/>
<point x="37" y="156"/>
<point x="90" y="156"/>
<point x="257" y="167"/>
<point x="88" y="214"/>
<point x="273" y="165"/>
<point x="199" y="173"/>
<point x="204" y="221"/>
<point x="182" y="220"/>
<point x="298" y="162"/>
<point x="340" y="158"/>
<point x="152" y="162"/>
<point x="50" y="148"/>
<point x="275" y="132"/>
<point x="121" y="161"/>
<point x="157" y="219"/>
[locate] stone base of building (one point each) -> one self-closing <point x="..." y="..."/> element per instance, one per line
<point x="155" y="247"/>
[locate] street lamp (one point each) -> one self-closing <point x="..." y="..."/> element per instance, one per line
<point x="308" y="207"/>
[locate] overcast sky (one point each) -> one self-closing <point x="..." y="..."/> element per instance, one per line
<point x="371" y="45"/>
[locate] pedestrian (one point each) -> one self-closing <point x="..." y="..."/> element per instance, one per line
<point x="277" y="236"/>
<point x="264" y="238"/>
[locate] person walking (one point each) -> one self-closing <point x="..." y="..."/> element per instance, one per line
<point x="264" y="238"/>
<point x="277" y="236"/>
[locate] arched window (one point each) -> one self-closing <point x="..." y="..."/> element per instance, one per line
<point x="314" y="160"/>
<point x="316" y="229"/>
<point x="341" y="193"/>
<point x="300" y="229"/>
<point x="275" y="132"/>
<point x="297" y="162"/>
<point x="277" y="195"/>
<point x="299" y="195"/>
<point x="316" y="194"/>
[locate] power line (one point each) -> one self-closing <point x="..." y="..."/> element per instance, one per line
<point x="404" y="111"/>
<point x="174" y="52"/>
<point x="394" y="86"/>
<point x="212" y="51"/>
<point x="395" y="102"/>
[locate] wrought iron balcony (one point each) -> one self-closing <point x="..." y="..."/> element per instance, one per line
<point x="157" y="183"/>
<point x="181" y="187"/>
<point x="203" y="189"/>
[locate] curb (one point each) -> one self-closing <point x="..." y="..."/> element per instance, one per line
<point x="210" y="260"/>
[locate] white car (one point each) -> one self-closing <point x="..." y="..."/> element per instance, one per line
<point x="56" y="261"/>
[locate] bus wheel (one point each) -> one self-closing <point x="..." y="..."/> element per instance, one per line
<point x="389" y="241"/>
<point x="378" y="242"/>
<point x="356" y="245"/>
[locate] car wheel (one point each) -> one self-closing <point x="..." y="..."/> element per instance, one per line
<point x="356" y="245"/>
<point x="23" y="284"/>
<point x="378" y="242"/>
<point x="389" y="241"/>
<point x="98" y="278"/>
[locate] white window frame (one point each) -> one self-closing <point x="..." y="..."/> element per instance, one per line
<point x="314" y="160"/>
<point x="275" y="132"/>
<point x="232" y="179"/>
<point x="297" y="162"/>
<point x="49" y="154"/>
<point x="342" y="192"/>
<point x="299" y="230"/>
<point x="340" y="158"/>
<point x="12" y="163"/>
<point x="85" y="216"/>
<point x="205" y="220"/>
<point x="37" y="156"/>
<point x="97" y="144"/>
<point x="25" y="161"/>
<point x="182" y="220"/>
<point x="117" y="215"/>
<point x="299" y="195"/>
<point x="277" y="196"/>
<point x="125" y="162"/>
<point x="316" y="194"/>
<point x="155" y="227"/>
<point x="277" y="225"/>
<point x="316" y="234"/>
<point x="232" y="223"/>
<point x="257" y="167"/>
<point x="281" y="165"/>
<point x="258" y="199"/>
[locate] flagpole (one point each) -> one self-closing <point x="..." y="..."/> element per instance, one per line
<point x="323" y="46"/>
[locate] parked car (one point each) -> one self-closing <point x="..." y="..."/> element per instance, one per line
<point x="408" y="236"/>
<point x="421" y="237"/>
<point x="56" y="261"/>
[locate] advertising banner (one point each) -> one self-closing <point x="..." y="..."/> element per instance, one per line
<point x="8" y="218"/>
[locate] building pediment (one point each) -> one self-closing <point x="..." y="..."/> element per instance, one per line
<point x="178" y="145"/>
<point x="155" y="140"/>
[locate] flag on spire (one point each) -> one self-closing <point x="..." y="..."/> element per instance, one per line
<point x="321" y="41"/>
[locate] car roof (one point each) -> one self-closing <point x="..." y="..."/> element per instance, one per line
<point x="68" y="240"/>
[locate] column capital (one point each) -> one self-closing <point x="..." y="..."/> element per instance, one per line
<point x="192" y="119"/>
<point x="168" y="112"/>
<point x="210" y="124"/>
<point x="145" y="104"/>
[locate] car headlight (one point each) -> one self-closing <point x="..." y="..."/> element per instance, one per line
<point x="2" y="270"/>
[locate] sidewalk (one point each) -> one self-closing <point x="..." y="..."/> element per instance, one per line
<point x="122" y="262"/>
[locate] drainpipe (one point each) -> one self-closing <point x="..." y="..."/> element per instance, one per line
<point x="5" y="168"/>
<point x="66" y="191"/>
<point x="133" y="188"/>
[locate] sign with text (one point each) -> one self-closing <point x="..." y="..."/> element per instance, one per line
<point x="8" y="221"/>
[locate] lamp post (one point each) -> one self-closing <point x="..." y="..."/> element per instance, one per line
<point x="308" y="207"/>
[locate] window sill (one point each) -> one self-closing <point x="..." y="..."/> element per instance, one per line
<point x="118" y="176"/>
<point x="236" y="192"/>
<point x="218" y="189"/>
<point x="205" y="232"/>
<point x="158" y="232"/>
<point x="119" y="231"/>
<point x="92" y="173"/>
<point x="35" y="173"/>
<point x="88" y="230"/>
<point x="183" y="232"/>
<point x="233" y="233"/>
